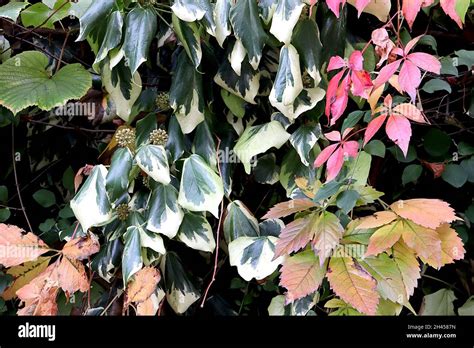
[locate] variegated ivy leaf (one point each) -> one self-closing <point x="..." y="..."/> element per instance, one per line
<point x="300" y="307"/>
<point x="253" y="256"/>
<point x="93" y="15"/>
<point x="181" y="293"/>
<point x="113" y="36"/>
<point x="267" y="9"/>
<point x="201" y="188"/>
<point x="259" y="139"/>
<point x="188" y="35"/>
<point x="284" y="19"/>
<point x="117" y="179"/>
<point x="107" y="261"/>
<point x="307" y="31"/>
<point x="195" y="10"/>
<point x="176" y="144"/>
<point x="196" y="232"/>
<point x="237" y="56"/>
<point x="248" y="28"/>
<point x="304" y="139"/>
<point x="152" y="159"/>
<point x="204" y="144"/>
<point x="122" y="88"/>
<point x="266" y="171"/>
<point x="246" y="85"/>
<point x="288" y="82"/>
<point x="306" y="101"/>
<point x="141" y="26"/>
<point x="131" y="257"/>
<point x="239" y="222"/>
<point x="186" y="94"/>
<point x="152" y="241"/>
<point x="165" y="214"/>
<point x="221" y="14"/>
<point x="91" y="204"/>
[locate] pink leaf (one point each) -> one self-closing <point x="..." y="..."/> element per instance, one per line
<point x="360" y="5"/>
<point x="449" y="6"/>
<point x="356" y="60"/>
<point x="350" y="148"/>
<point x="386" y="72"/>
<point x="411" y="44"/>
<point x="410" y="9"/>
<point x="333" y="136"/>
<point x="384" y="45"/>
<point x="399" y="131"/>
<point x="335" y="163"/>
<point x="336" y="62"/>
<point x="312" y="3"/>
<point x="409" y="78"/>
<point x="346" y="132"/>
<point x="425" y="61"/>
<point x="373" y="128"/>
<point x="410" y="111"/>
<point x="324" y="155"/>
<point x="340" y="100"/>
<point x="334" y="6"/>
<point x="361" y="83"/>
<point x="331" y="91"/>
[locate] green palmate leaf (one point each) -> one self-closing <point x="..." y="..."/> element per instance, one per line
<point x="187" y="95"/>
<point x="41" y="15"/>
<point x="267" y="9"/>
<point x="25" y="81"/>
<point x="141" y="25"/>
<point x="152" y="159"/>
<point x="131" y="257"/>
<point x="248" y="29"/>
<point x="45" y="198"/>
<point x="254" y="256"/>
<point x="266" y="170"/>
<point x="122" y="88"/>
<point x="246" y="85"/>
<point x="221" y="14"/>
<point x="188" y="34"/>
<point x="113" y="36"/>
<point x="375" y="148"/>
<point x="193" y="10"/>
<point x="12" y="9"/>
<point x="438" y="303"/>
<point x="196" y="232"/>
<point x="239" y="222"/>
<point x="91" y="205"/>
<point x="181" y="292"/>
<point x="310" y="55"/>
<point x="304" y="139"/>
<point x="285" y="18"/>
<point x="165" y="215"/>
<point x="288" y="82"/>
<point x="301" y="275"/>
<point x="97" y="11"/>
<point x="258" y="139"/>
<point x="201" y="188"/>
<point x="117" y="178"/>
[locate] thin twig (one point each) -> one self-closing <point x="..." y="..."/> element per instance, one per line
<point x="73" y="128"/>
<point x="216" y="260"/>
<point x="16" y="179"/>
<point x="62" y="52"/>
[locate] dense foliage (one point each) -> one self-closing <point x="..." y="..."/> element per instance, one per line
<point x="227" y="157"/>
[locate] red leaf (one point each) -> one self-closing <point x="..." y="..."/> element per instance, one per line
<point x="399" y="131"/>
<point x="361" y="83"/>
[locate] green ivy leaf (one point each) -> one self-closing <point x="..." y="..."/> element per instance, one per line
<point x="117" y="178"/>
<point x="45" y="198"/>
<point x="96" y="12"/>
<point x="12" y="9"/>
<point x="239" y="222"/>
<point x="375" y="148"/>
<point x="153" y="160"/>
<point x="113" y="36"/>
<point x="131" y="258"/>
<point x="266" y="170"/>
<point x="310" y="55"/>
<point x="439" y="303"/>
<point x="411" y="173"/>
<point x="189" y="36"/>
<point x="455" y="175"/>
<point x="27" y="72"/>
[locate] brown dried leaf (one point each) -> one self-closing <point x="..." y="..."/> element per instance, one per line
<point x="143" y="285"/>
<point x="81" y="248"/>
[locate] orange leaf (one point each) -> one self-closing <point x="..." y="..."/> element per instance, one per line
<point x="327" y="234"/>
<point x="143" y="285"/>
<point x="378" y="219"/>
<point x="296" y="235"/>
<point x="425" y="212"/>
<point x="384" y="238"/>
<point x="301" y="275"/>
<point x="408" y="266"/>
<point x="17" y="247"/>
<point x="71" y="276"/>
<point x="353" y="284"/>
<point x="287" y="208"/>
<point x="81" y="248"/>
<point x="451" y="244"/>
<point x="424" y="241"/>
